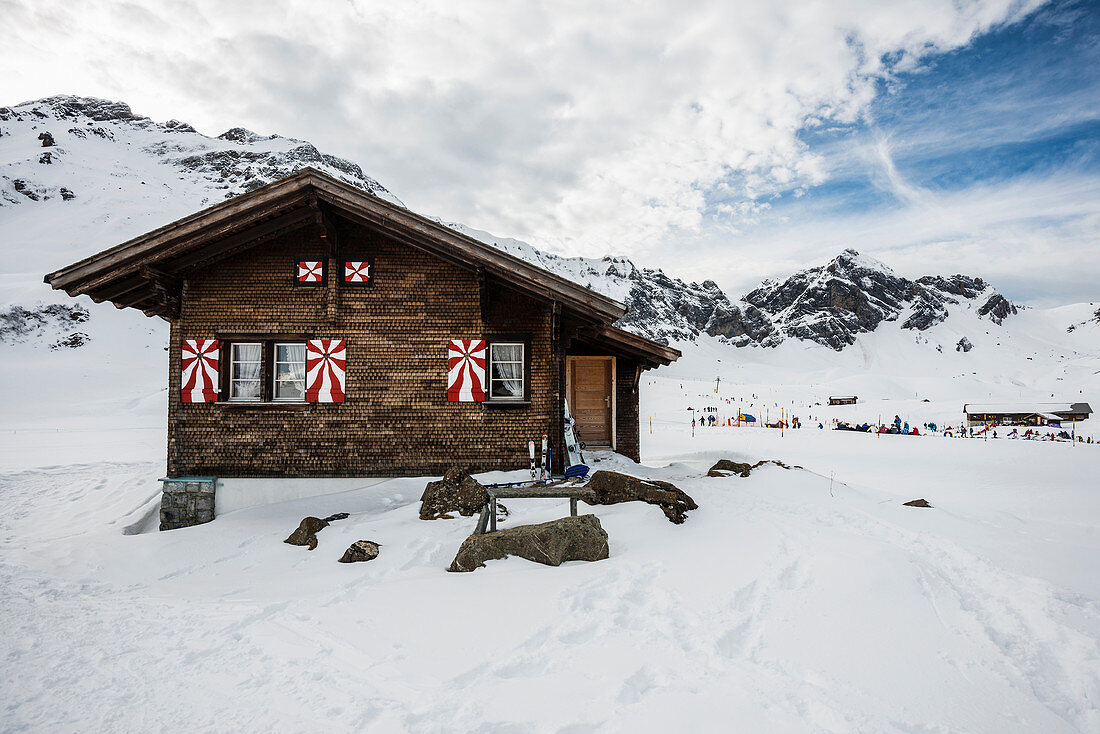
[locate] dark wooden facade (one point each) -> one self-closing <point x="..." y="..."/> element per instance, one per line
<point x="227" y="274"/>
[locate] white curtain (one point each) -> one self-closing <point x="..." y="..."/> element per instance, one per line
<point x="507" y="373"/>
<point x="290" y="370"/>
<point x="246" y="370"/>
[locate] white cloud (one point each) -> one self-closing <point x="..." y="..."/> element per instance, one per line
<point x="583" y="127"/>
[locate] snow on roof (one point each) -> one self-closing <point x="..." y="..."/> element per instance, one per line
<point x="1047" y="409"/>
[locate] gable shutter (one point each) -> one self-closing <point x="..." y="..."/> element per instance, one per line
<point x="325" y="360"/>
<point x="466" y="370"/>
<point x="357" y="271"/>
<point x="199" y="370"/>
<point x="310" y="271"/>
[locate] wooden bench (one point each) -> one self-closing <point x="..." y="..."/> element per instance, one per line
<point x="488" y="520"/>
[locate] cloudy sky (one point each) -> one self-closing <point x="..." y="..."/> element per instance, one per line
<point x="734" y="140"/>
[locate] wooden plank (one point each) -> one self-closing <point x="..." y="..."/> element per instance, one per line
<point x="289" y="222"/>
<point x="206" y="222"/>
<point x="127" y="264"/>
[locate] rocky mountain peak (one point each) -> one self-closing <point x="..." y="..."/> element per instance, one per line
<point x="853" y="293"/>
<point x="171" y="157"/>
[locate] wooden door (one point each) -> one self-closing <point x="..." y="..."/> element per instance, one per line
<point x="590" y="399"/>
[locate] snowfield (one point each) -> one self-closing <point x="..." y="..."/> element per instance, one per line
<point x="806" y="599"/>
<point x="792" y="600"/>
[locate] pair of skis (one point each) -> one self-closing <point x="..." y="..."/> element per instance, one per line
<point x="542" y="472"/>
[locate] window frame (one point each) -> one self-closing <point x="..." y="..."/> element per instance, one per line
<point x="232" y="361"/>
<point x="275" y="371"/>
<point x="525" y="365"/>
<point x="268" y="370"/>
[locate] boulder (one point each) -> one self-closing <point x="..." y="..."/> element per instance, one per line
<point x="551" y="543"/>
<point x="47" y="140"/>
<point x="917" y="503"/>
<point x="360" y="550"/>
<point x="306" y="534"/>
<point x="612" y="488"/>
<point x="727" y="468"/>
<point x="457" y="492"/>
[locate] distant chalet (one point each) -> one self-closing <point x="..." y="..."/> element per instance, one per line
<point x="318" y="331"/>
<point x="843" y="399"/>
<point x="1025" y="414"/>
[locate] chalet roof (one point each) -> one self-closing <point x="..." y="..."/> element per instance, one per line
<point x="649" y="353"/>
<point x="143" y="272"/>
<point x="1025" y="408"/>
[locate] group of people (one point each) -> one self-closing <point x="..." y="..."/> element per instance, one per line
<point x="897" y="427"/>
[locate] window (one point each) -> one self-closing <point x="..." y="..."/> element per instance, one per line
<point x="290" y="371"/>
<point x="245" y="362"/>
<point x="264" y="371"/>
<point x="506" y="371"/>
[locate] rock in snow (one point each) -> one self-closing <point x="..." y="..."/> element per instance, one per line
<point x="551" y="543"/>
<point x="457" y="492"/>
<point x="612" y="488"/>
<point x="360" y="551"/>
<point x="727" y="468"/>
<point x="306" y="533"/>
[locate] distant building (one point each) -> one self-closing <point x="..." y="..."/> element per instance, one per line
<point x="1025" y="414"/>
<point x="843" y="399"/>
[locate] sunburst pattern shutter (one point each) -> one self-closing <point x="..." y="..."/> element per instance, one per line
<point x="325" y="360"/>
<point x="199" y="371"/>
<point x="466" y="370"/>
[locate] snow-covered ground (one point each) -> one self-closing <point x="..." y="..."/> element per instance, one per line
<point x="792" y="600"/>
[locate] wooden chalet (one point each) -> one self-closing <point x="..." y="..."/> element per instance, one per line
<point x="318" y="331"/>
<point x="843" y="400"/>
<point x="1025" y="414"/>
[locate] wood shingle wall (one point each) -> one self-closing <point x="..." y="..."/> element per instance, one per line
<point x="396" y="419"/>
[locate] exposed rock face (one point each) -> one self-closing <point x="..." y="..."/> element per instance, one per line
<point x="853" y="294"/>
<point x="20" y="324"/>
<point x="236" y="162"/>
<point x="551" y="543"/>
<point x="457" y="492"/>
<point x="917" y="503"/>
<point x="612" y="488"/>
<point x="306" y="534"/>
<point x="964" y="345"/>
<point x="360" y="551"/>
<point x="998" y="308"/>
<point x="74" y="340"/>
<point x="667" y="309"/>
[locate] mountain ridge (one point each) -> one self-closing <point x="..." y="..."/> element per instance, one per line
<point x="69" y="151"/>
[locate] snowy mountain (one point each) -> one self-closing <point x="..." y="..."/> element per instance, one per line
<point x="78" y="175"/>
<point x="78" y="135"/>
<point x="852" y="294"/>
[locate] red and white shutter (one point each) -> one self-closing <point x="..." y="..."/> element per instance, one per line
<point x="466" y="370"/>
<point x="325" y="360"/>
<point x="357" y="272"/>
<point x="199" y="368"/>
<point x="310" y="271"/>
